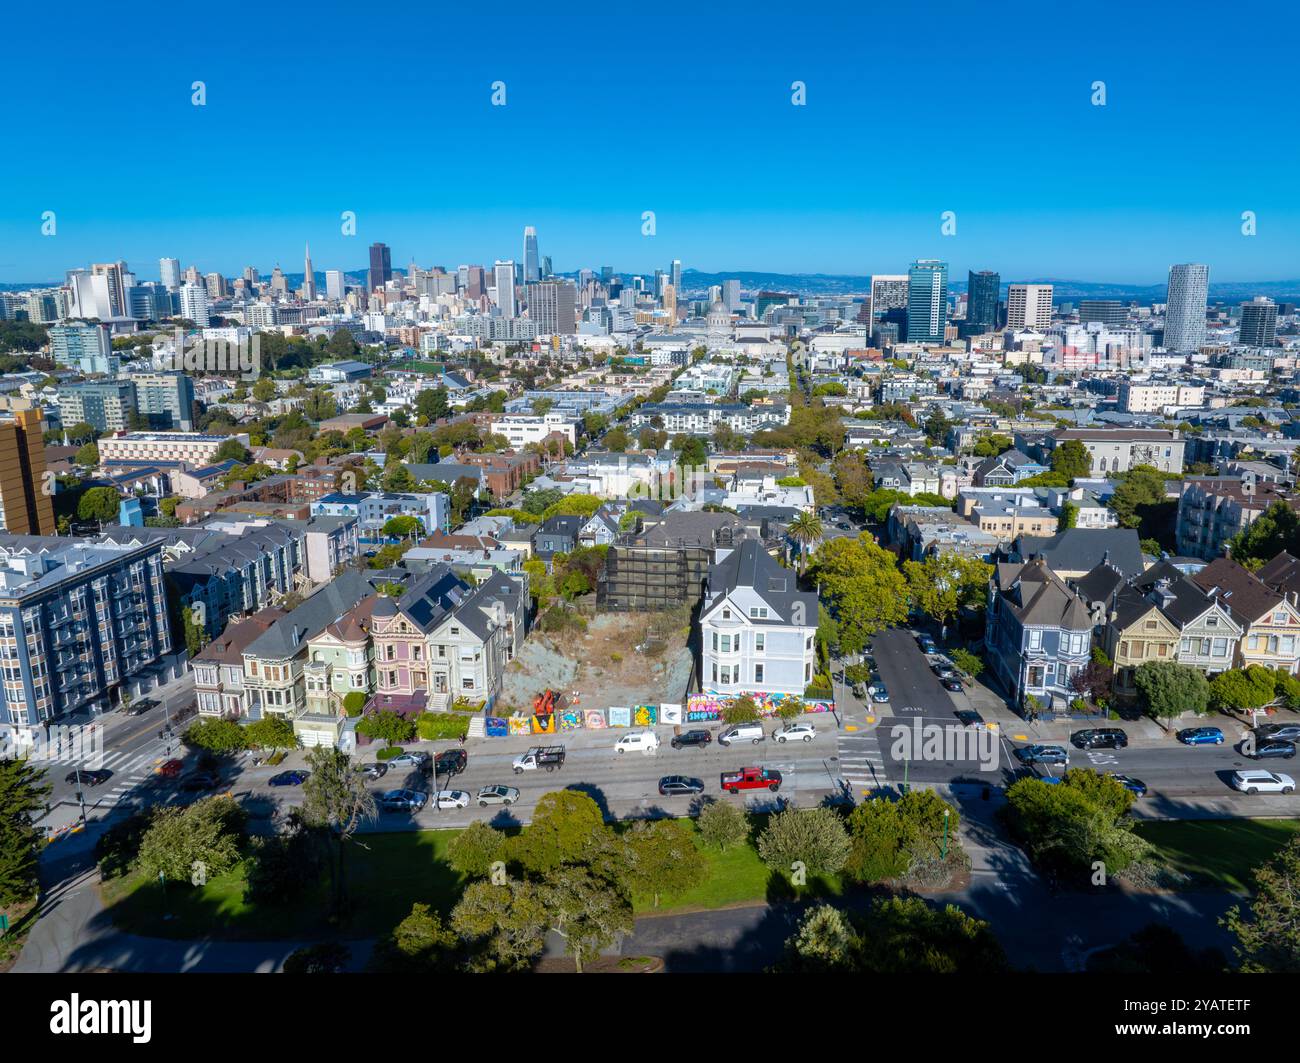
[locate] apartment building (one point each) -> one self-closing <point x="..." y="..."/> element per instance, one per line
<point x="219" y="667"/>
<point x="1213" y="509"/>
<point x="195" y="449"/>
<point x="26" y="503"/>
<point x="521" y="429"/>
<point x="1120" y="449"/>
<point x="1153" y="397"/>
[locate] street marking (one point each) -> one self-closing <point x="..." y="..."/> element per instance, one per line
<point x="1021" y="738"/>
<point x="851" y="727"/>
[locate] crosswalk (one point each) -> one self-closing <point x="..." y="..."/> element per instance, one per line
<point x="130" y="770"/>
<point x="862" y="764"/>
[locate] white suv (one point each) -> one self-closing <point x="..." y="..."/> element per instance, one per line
<point x="742" y="732"/>
<point x="795" y="732"/>
<point x="1263" y="782"/>
<point x="645" y="741"/>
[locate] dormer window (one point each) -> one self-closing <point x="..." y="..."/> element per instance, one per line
<point x="758" y="613"/>
<point x="726" y="614"/>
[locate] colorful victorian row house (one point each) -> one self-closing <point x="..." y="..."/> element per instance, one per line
<point x="1270" y="620"/>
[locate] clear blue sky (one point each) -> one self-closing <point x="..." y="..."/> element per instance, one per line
<point x="683" y="109"/>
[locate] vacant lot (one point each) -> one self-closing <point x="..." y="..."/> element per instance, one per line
<point x="603" y="663"/>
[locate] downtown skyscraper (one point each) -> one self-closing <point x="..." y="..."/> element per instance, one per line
<point x="1189" y="286"/>
<point x="532" y="264"/>
<point x="982" y="292"/>
<point x="381" y="267"/>
<point x="927" y="301"/>
<point x="308" y="277"/>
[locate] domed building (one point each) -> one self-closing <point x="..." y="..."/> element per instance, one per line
<point x="719" y="319"/>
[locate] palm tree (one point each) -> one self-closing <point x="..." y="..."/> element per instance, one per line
<point x="805" y="529"/>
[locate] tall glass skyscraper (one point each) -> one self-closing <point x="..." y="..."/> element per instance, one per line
<point x="982" y="290"/>
<point x="927" y="301"/>
<point x="381" y="267"/>
<point x="1189" y="286"/>
<point x="532" y="266"/>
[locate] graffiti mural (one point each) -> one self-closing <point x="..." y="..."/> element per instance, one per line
<point x="594" y="720"/>
<point x="496" y="726"/>
<point x="645" y="715"/>
<point x="709" y="705"/>
<point x="620" y="716"/>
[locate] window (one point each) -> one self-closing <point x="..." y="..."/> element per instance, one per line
<point x="758" y="673"/>
<point x="726" y="643"/>
<point x="758" y="613"/>
<point x="1139" y="649"/>
<point x="726" y="614"/>
<point x="760" y="642"/>
<point x="715" y="642"/>
<point x="807" y="672"/>
<point x="726" y="675"/>
<point x="1220" y="647"/>
<point x="1035" y="639"/>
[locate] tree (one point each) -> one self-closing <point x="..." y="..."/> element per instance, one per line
<point x="87" y="455"/>
<point x="825" y="943"/>
<point x="100" y="504"/>
<point x="1072" y="460"/>
<point x="1139" y="489"/>
<point x="907" y="936"/>
<point x="661" y="858"/>
<point x="329" y="957"/>
<point x="1069" y="517"/>
<point x="587" y="910"/>
<point x="231" y="450"/>
<point x="1238" y="690"/>
<point x="565" y="827"/>
<point x="1169" y="689"/>
<point x="617" y="440"/>
<point x="813" y="837"/>
<point x="264" y="389"/>
<point x="216" y="736"/>
<point x="432" y="404"/>
<point x="336" y="800"/>
<point x="387" y="726"/>
<point x="285" y="866"/>
<point x="862" y="587"/>
<point x="1072" y="825"/>
<point x="397" y="477"/>
<point x="22" y="793"/>
<point x="205" y="837"/>
<point x="503" y="924"/>
<point x="722" y="825"/>
<point x="402" y="526"/>
<point x="967" y="662"/>
<point x="1268" y="936"/>
<point x="419" y="944"/>
<point x="1275" y="530"/>
<point x="890" y="838"/>
<point x="943" y="583"/>
<point x="691" y="453"/>
<point x="475" y="849"/>
<point x="740" y="710"/>
<point x="805" y="529"/>
<point x="271" y="732"/>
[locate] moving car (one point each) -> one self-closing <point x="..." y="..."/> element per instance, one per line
<point x="88" y="776"/>
<point x="795" y="732"/>
<point x="1288" y="732"/>
<point x="403" y="800"/>
<point x="1038" y="754"/>
<point x="201" y="782"/>
<point x="452" y="799"/>
<point x="289" y="778"/>
<point x="751" y="779"/>
<point x="680" y="786"/>
<point x="139" y="708"/>
<point x="171" y="768"/>
<point x="742" y="732"/>
<point x="698" y="737"/>
<point x="642" y="741"/>
<point x="375" y="770"/>
<point x="450" y="762"/>
<point x="1100" y="738"/>
<point x="1200" y="736"/>
<point x="1262" y="782"/>
<point x="1132" y="785"/>
<point x="1267" y="748"/>
<point x="497" y="795"/>
<point x="879" y="693"/>
<point x="412" y="758"/>
<point x="548" y="757"/>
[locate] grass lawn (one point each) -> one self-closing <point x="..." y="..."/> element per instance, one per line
<point x="1220" y="853"/>
<point x="387" y="873"/>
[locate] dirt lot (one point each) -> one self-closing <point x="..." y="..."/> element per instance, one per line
<point x="603" y="663"/>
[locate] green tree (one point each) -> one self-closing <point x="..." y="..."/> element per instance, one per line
<point x="99" y="504"/>
<point x="22" y="793"/>
<point x="661" y="858"/>
<point x="1169" y="689"/>
<point x="328" y="957"/>
<point x="475" y="849"/>
<point x="825" y="943"/>
<point x="1238" y="690"/>
<point x="387" y="726"/>
<point x="216" y="735"/>
<point x="806" y="530"/>
<point x="397" y="477"/>
<point x="1274" y="530"/>
<point x="813" y="837"/>
<point x="565" y="828"/>
<point x="87" y="455"/>
<point x="943" y="583"/>
<point x="205" y="837"/>
<point x="231" y="450"/>
<point x="1069" y="517"/>
<point x="587" y="910"/>
<point x="691" y="452"/>
<point x="271" y="732"/>
<point x="862" y="587"/>
<point x="264" y="389"/>
<point x="419" y="944"/>
<point x="907" y="936"/>
<point x="337" y="801"/>
<point x="1072" y="460"/>
<point x="1138" y="491"/>
<point x="403" y="527"/>
<point x="617" y="440"/>
<point x="967" y="662"/>
<point x="740" y="710"/>
<point x="722" y="826"/>
<point x="503" y="924"/>
<point x="1268" y="935"/>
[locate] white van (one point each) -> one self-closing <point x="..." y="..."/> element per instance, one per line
<point x="742" y="732"/>
<point x="646" y="741"/>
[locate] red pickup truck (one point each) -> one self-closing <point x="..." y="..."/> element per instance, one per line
<point x="751" y="779"/>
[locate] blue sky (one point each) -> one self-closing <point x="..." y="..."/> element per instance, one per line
<point x="912" y="109"/>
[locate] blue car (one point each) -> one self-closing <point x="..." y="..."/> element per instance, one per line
<point x="1201" y="736"/>
<point x="289" y="778"/>
<point x="1134" y="786"/>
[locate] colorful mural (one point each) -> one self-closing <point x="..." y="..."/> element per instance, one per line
<point x="645" y="715"/>
<point x="709" y="705"/>
<point x="594" y="719"/>
<point x="699" y="708"/>
<point x="520" y="725"/>
<point x="620" y="716"/>
<point x="570" y="719"/>
<point x="544" y="723"/>
<point x="496" y="726"/>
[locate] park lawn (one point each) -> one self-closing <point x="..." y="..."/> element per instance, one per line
<point x="387" y="873"/>
<point x="1219" y="853"/>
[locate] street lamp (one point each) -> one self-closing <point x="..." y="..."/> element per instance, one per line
<point x="943" y="853"/>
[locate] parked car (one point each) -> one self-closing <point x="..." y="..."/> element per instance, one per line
<point x="412" y="758"/>
<point x="169" y="769"/>
<point x="1263" y="782"/>
<point x="289" y="778"/>
<point x="548" y="757"/>
<point x="1039" y="754"/>
<point x="680" y="786"/>
<point x="140" y="707"/>
<point x="374" y="770"/>
<point x="795" y="732"/>
<point x="201" y="782"/>
<point x="969" y="718"/>
<point x="88" y="776"/>
<point x="450" y="762"/>
<point x="640" y="741"/>
<point x="1134" y="786"/>
<point x="1100" y="738"/>
<point x="403" y="800"/>
<point x="452" y="799"/>
<point x="943" y="670"/>
<point x="742" y="732"/>
<point x="926" y="643"/>
<point x="1287" y="732"/>
<point x="751" y="779"/>
<point x="1200" y="736"/>
<point x="698" y="737"/>
<point x="951" y="683"/>
<point x="1268" y="748"/>
<point x="497" y="795"/>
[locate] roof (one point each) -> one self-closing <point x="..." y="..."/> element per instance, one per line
<point x="1245" y="596"/>
<point x="751" y="567"/>
<point x="228" y="647"/>
<point x="290" y="634"/>
<point x="1282" y="574"/>
<point x="1082" y="549"/>
<point x="1038" y="597"/>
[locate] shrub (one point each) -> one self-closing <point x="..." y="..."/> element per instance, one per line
<point x="722" y="825"/>
<point x="354" y="702"/>
<point x="387" y="726"/>
<point x="820" y="688"/>
<point x="813" y="837"/>
<point x="437" y="726"/>
<point x="740" y="710"/>
<point x="389" y="752"/>
<point x="217" y="736"/>
<point x="475" y="849"/>
<point x="967" y="662"/>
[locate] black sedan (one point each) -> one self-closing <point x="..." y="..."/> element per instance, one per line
<point x="1268" y="748"/>
<point x="680" y="786"/>
<point x="951" y="683"/>
<point x="450" y="762"/>
<point x="88" y="777"/>
<point x="200" y="782"/>
<point x="139" y="708"/>
<point x="698" y="737"/>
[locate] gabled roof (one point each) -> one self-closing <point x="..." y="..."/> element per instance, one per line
<point x="290" y="634"/>
<point x="1082" y="549"/>
<point x="1282" y="574"/>
<point x="750" y="567"/>
<point x="1245" y="596"/>
<point x="1038" y="597"/>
